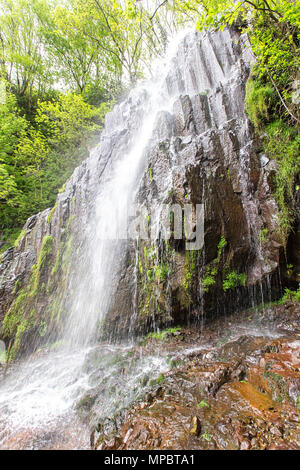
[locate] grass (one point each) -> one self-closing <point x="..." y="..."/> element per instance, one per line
<point x="162" y="335"/>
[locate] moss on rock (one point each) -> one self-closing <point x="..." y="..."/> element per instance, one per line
<point x="23" y="315"/>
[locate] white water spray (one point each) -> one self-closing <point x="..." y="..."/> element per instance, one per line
<point x="46" y="387"/>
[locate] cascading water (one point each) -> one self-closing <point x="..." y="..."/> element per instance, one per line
<point x="195" y="109"/>
<point x="105" y="239"/>
<point x="42" y="390"/>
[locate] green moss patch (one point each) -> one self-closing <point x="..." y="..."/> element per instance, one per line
<point x="22" y="314"/>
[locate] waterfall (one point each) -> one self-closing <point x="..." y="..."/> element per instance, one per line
<point x="115" y="336"/>
<point x="106" y="241"/>
<point x="44" y="388"/>
<point x="188" y="125"/>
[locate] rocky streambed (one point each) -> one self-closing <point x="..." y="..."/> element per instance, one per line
<point x="234" y="386"/>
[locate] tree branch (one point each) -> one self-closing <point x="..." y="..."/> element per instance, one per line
<point x="159" y="6"/>
<point x="282" y="100"/>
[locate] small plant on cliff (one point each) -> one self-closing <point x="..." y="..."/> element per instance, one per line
<point x="263" y="235"/>
<point x="212" y="269"/>
<point x="234" y="280"/>
<point x="51" y="213"/>
<point x="57" y="263"/>
<point x="209" y="280"/>
<point x="161" y="335"/>
<point x="202" y="404"/>
<point x="206" y="436"/>
<point x="17" y="241"/>
<point x="221" y="245"/>
<point x="291" y="295"/>
<point x="161" y="272"/>
<point x="258" y="102"/>
<point x="43" y="259"/>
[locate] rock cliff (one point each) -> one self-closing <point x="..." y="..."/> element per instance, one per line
<point x="202" y="151"/>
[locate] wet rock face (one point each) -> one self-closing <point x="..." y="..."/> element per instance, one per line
<point x="202" y="152"/>
<point x="68" y="224"/>
<point x="239" y="391"/>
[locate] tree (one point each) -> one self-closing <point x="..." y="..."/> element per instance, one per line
<point x="31" y="155"/>
<point x="9" y="194"/>
<point x="75" y="56"/>
<point x="23" y="63"/>
<point x="52" y="147"/>
<point x="12" y="125"/>
<point x="127" y="34"/>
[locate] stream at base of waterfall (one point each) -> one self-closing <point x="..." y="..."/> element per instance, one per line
<point x="237" y="382"/>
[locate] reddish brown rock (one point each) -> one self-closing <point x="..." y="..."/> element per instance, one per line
<point x="245" y="400"/>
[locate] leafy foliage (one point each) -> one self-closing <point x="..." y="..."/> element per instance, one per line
<point x="212" y="269"/>
<point x="258" y="102"/>
<point x="37" y="157"/>
<point x="202" y="404"/>
<point x="162" y="335"/>
<point x="291" y="295"/>
<point x="273" y="29"/>
<point x="282" y="143"/>
<point x="63" y="65"/>
<point x="233" y="280"/>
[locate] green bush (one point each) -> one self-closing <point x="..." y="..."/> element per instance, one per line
<point x="234" y="280"/>
<point x="291" y="295"/>
<point x="282" y="143"/>
<point x="161" y="335"/>
<point x="258" y="102"/>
